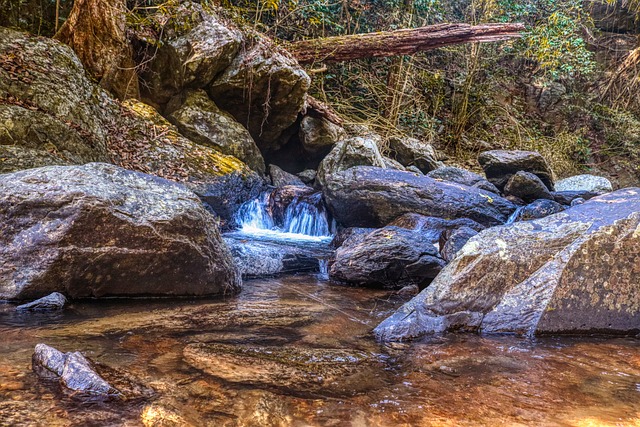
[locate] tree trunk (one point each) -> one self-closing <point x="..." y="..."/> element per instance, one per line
<point x="399" y="42"/>
<point x="96" y="31"/>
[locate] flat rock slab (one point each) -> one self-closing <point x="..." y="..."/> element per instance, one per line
<point x="573" y="272"/>
<point x="53" y="301"/>
<point x="98" y="230"/>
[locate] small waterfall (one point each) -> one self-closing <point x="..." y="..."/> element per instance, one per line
<point x="324" y="269"/>
<point x="515" y="215"/>
<point x="254" y="215"/>
<point x="307" y="216"/>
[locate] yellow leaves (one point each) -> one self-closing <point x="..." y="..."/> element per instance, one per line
<point x="270" y="4"/>
<point x="489" y="198"/>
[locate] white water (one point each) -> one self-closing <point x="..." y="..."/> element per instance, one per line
<point x="515" y="215"/>
<point x="304" y="220"/>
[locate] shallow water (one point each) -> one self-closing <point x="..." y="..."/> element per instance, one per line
<point x="447" y="381"/>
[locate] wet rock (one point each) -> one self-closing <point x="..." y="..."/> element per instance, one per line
<point x="413" y="152"/>
<point x="587" y="183"/>
<point x="390" y="257"/>
<point x="98" y="230"/>
<point x="270" y="104"/>
<point x="573" y="272"/>
<point x="350" y="236"/>
<point x="308" y="176"/>
<point x="456" y="239"/>
<point x="357" y="151"/>
<point x="431" y="227"/>
<point x="408" y="291"/>
<point x="318" y="135"/>
<point x="73" y="370"/>
<point x="464" y="177"/>
<point x="280" y="178"/>
<point x="306" y="370"/>
<point x="200" y="120"/>
<point x="414" y="170"/>
<point x="195" y="47"/>
<point x="280" y="199"/>
<point x="527" y="187"/>
<point x="567" y="197"/>
<point x="501" y="165"/>
<point x="372" y="197"/>
<point x="539" y="209"/>
<point x="53" y="301"/>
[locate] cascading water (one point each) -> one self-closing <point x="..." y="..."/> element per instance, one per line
<point x="515" y="216"/>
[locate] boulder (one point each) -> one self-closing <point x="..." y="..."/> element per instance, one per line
<point x="500" y="165"/>
<point x="200" y="120"/>
<point x="280" y="178"/>
<point x="573" y="272"/>
<point x="452" y="241"/>
<point x="366" y="196"/>
<point x="318" y="135"/>
<point x="50" y="112"/>
<point x="350" y="236"/>
<point x="73" y="370"/>
<point x="264" y="88"/>
<point x="195" y="46"/>
<point x="98" y="230"/>
<point x="391" y="257"/>
<point x="464" y="177"/>
<point x="567" y="197"/>
<point x="590" y="183"/>
<point x="357" y="151"/>
<point x="527" y="187"/>
<point x="53" y="301"/>
<point x="308" y="176"/>
<point x="535" y="210"/>
<point x="413" y="152"/>
<point x="431" y="227"/>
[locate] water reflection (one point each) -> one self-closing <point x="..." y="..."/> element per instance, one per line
<point x="443" y="381"/>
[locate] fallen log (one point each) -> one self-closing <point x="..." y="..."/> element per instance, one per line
<point x="399" y="42"/>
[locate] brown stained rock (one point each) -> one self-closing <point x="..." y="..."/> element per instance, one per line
<point x="573" y="272"/>
<point x="98" y="230"/>
<point x="500" y="165"/>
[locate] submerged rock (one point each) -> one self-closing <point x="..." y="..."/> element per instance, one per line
<point x="390" y="257"/>
<point x="464" y="177"/>
<point x="73" y="370"/>
<point x="53" y="301"/>
<point x="573" y="272"/>
<point x="589" y="183"/>
<point x="372" y="197"/>
<point x="501" y="165"/>
<point x="301" y="370"/>
<point x="98" y="230"/>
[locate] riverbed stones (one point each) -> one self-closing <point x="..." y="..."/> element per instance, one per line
<point x="527" y="186"/>
<point x="500" y="165"/>
<point x="464" y="177"/>
<point x="365" y="196"/>
<point x="586" y="182"/>
<point x="391" y="257"/>
<point x="53" y="301"/>
<point x="573" y="272"/>
<point x="539" y="209"/>
<point x="98" y="230"/>
<point x="452" y="241"/>
<point x="200" y="120"/>
<point x="296" y="369"/>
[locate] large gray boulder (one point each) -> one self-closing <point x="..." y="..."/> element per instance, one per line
<point x="264" y="88"/>
<point x="356" y="151"/>
<point x="500" y="165"/>
<point x="390" y="257"/>
<point x="195" y="46"/>
<point x="527" y="186"/>
<point x="318" y="135"/>
<point x="573" y="272"/>
<point x="413" y="152"/>
<point x="98" y="230"/>
<point x="464" y="177"/>
<point x="586" y="182"/>
<point x="200" y="120"/>
<point x="365" y="196"/>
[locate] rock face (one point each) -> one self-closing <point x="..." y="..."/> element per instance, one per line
<point x="590" y="183"/>
<point x="196" y="46"/>
<point x="53" y="301"/>
<point x="357" y="151"/>
<point x="527" y="187"/>
<point x="464" y="177"/>
<point x="344" y="372"/>
<point x="99" y="230"/>
<point x="413" y="152"/>
<point x="372" y="197"/>
<point x="280" y="178"/>
<point x="200" y="120"/>
<point x="318" y="135"/>
<point x="573" y="272"/>
<point x="73" y="370"/>
<point x="390" y="257"/>
<point x="501" y="165"/>
<point x="264" y="88"/>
